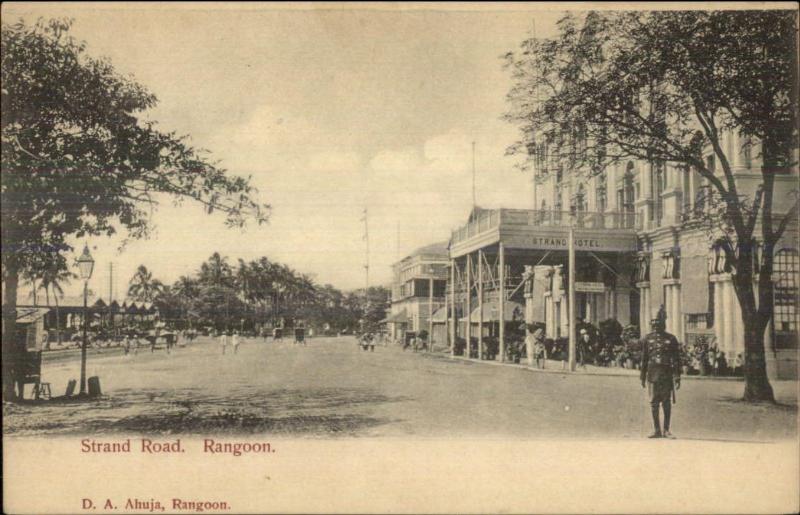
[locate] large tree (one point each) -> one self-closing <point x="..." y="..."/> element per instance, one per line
<point x="79" y="159"/>
<point x="663" y="87"/>
<point x="143" y="287"/>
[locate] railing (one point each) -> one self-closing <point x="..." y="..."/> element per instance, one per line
<point x="545" y="218"/>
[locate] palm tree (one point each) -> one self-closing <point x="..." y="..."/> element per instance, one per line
<point x="51" y="280"/>
<point x="31" y="278"/>
<point x="216" y="271"/>
<point x="143" y="287"/>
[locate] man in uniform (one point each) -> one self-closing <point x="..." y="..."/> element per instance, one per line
<point x="661" y="372"/>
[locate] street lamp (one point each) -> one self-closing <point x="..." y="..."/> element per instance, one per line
<point x="85" y="268"/>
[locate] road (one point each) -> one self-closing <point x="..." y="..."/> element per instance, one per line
<point x="331" y="388"/>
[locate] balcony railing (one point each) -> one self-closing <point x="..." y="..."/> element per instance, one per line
<point x="544" y="218"/>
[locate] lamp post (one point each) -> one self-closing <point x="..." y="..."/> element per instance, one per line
<point x="85" y="268"/>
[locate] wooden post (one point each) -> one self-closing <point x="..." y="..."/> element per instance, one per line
<point x="452" y="318"/>
<point x="571" y="299"/>
<point x="480" y="303"/>
<point x="430" y="314"/>
<point x="502" y="302"/>
<point x="468" y="331"/>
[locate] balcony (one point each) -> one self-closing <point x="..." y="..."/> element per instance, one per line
<point x="533" y="229"/>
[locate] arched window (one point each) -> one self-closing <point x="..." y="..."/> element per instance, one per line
<point x="628" y="191"/>
<point x="600" y="193"/>
<point x="658" y="189"/>
<point x="579" y="201"/>
<point x="785" y="314"/>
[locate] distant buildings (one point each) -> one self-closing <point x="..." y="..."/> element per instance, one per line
<point x="640" y="243"/>
<point x="418" y="292"/>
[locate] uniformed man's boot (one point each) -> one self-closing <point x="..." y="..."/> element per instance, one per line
<point x="667" y="414"/>
<point x="656" y="423"/>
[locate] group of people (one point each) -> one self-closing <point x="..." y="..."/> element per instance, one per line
<point x="132" y="341"/>
<point x="230" y="338"/>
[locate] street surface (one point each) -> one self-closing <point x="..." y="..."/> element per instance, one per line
<point x="332" y="388"/>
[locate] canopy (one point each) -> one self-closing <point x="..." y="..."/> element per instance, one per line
<point x="30" y="315"/>
<point x="397" y="318"/>
<point x="439" y="316"/>
<point x="513" y="311"/>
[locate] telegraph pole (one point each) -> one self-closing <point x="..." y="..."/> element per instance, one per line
<point x="366" y="256"/>
<point x="474" y="201"/>
<point x="571" y="300"/>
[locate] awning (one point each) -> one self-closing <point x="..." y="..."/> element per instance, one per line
<point x="29" y="315"/>
<point x="397" y="318"/>
<point x="439" y="316"/>
<point x="513" y="311"/>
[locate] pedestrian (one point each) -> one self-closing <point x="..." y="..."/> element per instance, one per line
<point x="235" y="342"/>
<point x="126" y="344"/>
<point x="539" y="348"/>
<point x="722" y="364"/>
<point x="583" y="347"/>
<point x="661" y="372"/>
<point x="223" y="341"/>
<point x="737" y="364"/>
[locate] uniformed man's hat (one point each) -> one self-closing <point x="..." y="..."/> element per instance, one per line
<point x="661" y="316"/>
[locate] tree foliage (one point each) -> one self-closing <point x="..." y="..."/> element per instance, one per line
<point x="79" y="158"/>
<point x="663" y="87"/>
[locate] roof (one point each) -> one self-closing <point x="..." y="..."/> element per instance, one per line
<point x="439" y="248"/>
<point x="513" y="311"/>
<point x="28" y="315"/>
<point x="440" y="315"/>
<point x="397" y="318"/>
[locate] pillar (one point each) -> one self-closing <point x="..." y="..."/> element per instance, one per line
<point x="727" y="300"/>
<point x="452" y="318"/>
<point x="644" y="309"/>
<point x="480" y="304"/>
<point x="468" y="329"/>
<point x="430" y="314"/>
<point x="502" y="301"/>
<point x="719" y="313"/>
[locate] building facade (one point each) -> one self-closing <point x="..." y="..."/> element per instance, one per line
<point x="418" y="291"/>
<point x="676" y="263"/>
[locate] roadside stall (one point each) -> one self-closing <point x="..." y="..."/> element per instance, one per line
<point x="31" y="334"/>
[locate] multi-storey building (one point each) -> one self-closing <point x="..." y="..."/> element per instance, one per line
<point x="418" y="290"/>
<point x="676" y="263"/>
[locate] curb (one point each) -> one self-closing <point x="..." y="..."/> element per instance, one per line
<point x="578" y="372"/>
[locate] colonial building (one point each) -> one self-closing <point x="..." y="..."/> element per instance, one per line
<point x="676" y="263"/>
<point x="496" y="252"/>
<point x="418" y="288"/>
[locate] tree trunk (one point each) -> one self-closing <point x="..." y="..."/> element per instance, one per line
<point x="10" y="346"/>
<point x="755" y="319"/>
<point x="58" y="320"/>
<point x="756" y="384"/>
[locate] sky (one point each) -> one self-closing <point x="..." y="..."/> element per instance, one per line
<point x="330" y="110"/>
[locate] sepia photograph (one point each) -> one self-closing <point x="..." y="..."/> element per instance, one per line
<point x="400" y="257"/>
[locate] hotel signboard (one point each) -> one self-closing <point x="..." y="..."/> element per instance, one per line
<point x="590" y="287"/>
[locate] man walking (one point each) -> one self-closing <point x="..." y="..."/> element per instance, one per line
<point x="661" y="372"/>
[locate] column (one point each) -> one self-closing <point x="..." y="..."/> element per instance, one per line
<point x="679" y="326"/>
<point x="719" y="313"/>
<point x="644" y="310"/>
<point x="611" y="189"/>
<point x="480" y="303"/>
<point x="452" y="317"/>
<point x="729" y="319"/>
<point x="430" y="314"/>
<point x="468" y="329"/>
<point x="502" y="302"/>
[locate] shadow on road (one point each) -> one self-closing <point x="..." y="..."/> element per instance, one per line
<point x="290" y="412"/>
